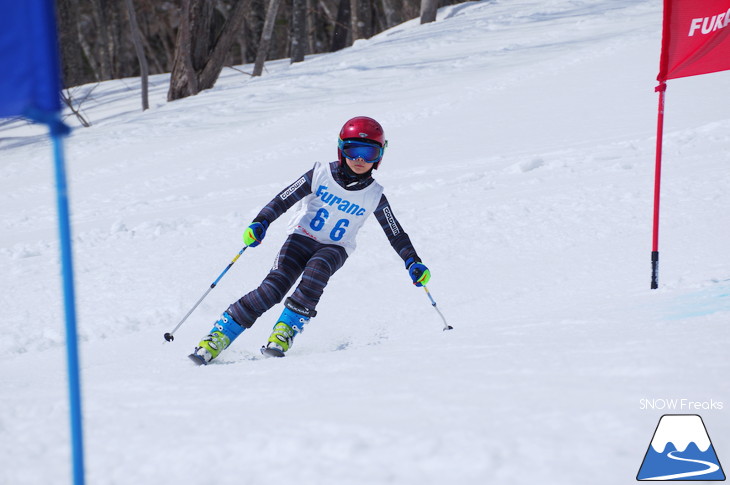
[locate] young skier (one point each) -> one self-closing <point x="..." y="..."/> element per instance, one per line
<point x="336" y="198"/>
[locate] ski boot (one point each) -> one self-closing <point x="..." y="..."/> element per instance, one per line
<point x="224" y="331"/>
<point x="289" y="325"/>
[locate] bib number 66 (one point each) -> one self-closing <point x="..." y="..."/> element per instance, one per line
<point x="337" y="232"/>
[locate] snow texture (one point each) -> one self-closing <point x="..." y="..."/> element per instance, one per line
<point x="521" y="162"/>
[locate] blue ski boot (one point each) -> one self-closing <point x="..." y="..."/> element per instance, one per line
<point x="224" y="331"/>
<point x="289" y="325"/>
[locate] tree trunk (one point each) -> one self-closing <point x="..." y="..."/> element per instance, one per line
<point x="198" y="58"/>
<point x="298" y="30"/>
<point x="342" y="26"/>
<point x="122" y="59"/>
<point x="428" y="10"/>
<point x="89" y="56"/>
<point x="389" y="13"/>
<point x="311" y="26"/>
<point x="354" y="20"/>
<point x="266" y="37"/>
<point x="255" y="23"/>
<point x="105" y="47"/>
<point x="225" y="40"/>
<point x="72" y="56"/>
<point x="361" y="16"/>
<point x="143" y="67"/>
<point x="183" y="79"/>
<point x="156" y="64"/>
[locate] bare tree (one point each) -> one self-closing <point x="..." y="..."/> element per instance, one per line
<point x="361" y="19"/>
<point x="68" y="100"/>
<point x="341" y="33"/>
<point x="74" y="67"/>
<point x="428" y="10"/>
<point x="192" y="48"/>
<point x="105" y="43"/>
<point x="298" y="35"/>
<point x="354" y="29"/>
<point x="266" y="37"/>
<point x="312" y="11"/>
<point x="143" y="67"/>
<point x="254" y="27"/>
<point x="186" y="37"/>
<point x="199" y="55"/>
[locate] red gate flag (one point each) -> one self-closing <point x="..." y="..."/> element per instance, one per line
<point x="695" y="38"/>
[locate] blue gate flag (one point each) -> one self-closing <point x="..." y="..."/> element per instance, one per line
<point x="30" y="86"/>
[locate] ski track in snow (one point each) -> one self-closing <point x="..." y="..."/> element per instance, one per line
<point x="521" y="163"/>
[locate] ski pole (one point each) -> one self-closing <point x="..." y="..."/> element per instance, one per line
<point x="169" y="336"/>
<point x="433" y="303"/>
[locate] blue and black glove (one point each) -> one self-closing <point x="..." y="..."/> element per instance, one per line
<point x="418" y="271"/>
<point x="254" y="233"/>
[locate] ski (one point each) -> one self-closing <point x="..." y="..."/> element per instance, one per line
<point x="271" y="352"/>
<point x="197" y="359"/>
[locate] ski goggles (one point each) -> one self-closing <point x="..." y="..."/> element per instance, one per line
<point x="369" y="151"/>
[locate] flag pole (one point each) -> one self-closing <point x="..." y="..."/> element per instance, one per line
<point x="661" y="89"/>
<point x="74" y="382"/>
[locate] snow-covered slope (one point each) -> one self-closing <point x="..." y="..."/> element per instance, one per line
<point x="520" y="162"/>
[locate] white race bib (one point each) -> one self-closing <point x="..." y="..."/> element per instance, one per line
<point x="331" y="214"/>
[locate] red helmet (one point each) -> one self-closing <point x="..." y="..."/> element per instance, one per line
<point x="362" y="128"/>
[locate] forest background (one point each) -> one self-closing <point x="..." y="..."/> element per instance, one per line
<point x="194" y="39"/>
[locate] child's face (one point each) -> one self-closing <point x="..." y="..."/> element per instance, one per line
<point x="359" y="166"/>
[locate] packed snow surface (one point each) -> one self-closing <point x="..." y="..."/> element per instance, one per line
<point x="521" y="163"/>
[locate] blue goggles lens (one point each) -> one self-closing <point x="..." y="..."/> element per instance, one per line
<point x="354" y="149"/>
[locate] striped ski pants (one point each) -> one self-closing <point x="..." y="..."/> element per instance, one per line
<point x="300" y="255"/>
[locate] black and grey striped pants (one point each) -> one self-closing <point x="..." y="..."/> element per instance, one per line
<point x="300" y="255"/>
